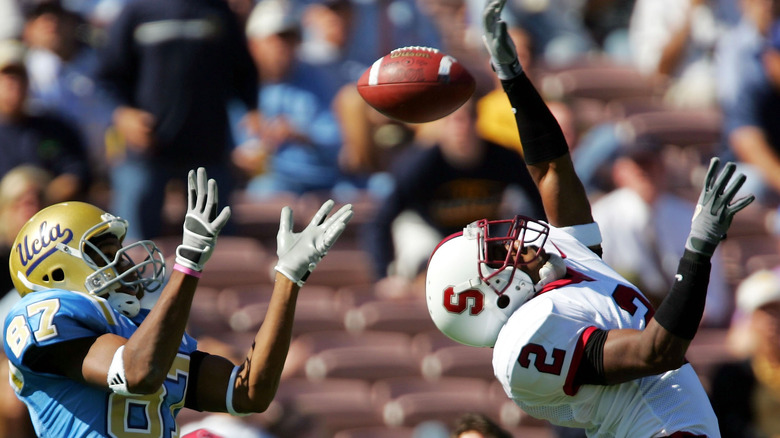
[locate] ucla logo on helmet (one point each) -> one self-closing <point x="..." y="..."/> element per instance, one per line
<point x="33" y="252"/>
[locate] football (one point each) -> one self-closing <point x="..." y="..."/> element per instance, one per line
<point x="416" y="84"/>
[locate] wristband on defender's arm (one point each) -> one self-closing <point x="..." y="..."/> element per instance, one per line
<point x="540" y="133"/>
<point x="681" y="311"/>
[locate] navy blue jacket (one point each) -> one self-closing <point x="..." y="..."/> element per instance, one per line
<point x="182" y="61"/>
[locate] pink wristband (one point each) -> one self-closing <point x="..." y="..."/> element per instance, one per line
<point x="187" y="270"/>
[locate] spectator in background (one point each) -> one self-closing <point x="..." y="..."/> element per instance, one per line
<point x="39" y="139"/>
<point x="298" y="134"/>
<point x="21" y="196"/>
<point x="745" y="393"/>
<point x="171" y="68"/>
<point x="327" y="30"/>
<point x="607" y="22"/>
<point x="644" y="226"/>
<point x="568" y="31"/>
<point x="750" y="98"/>
<point x="439" y="188"/>
<point x="673" y="42"/>
<point x="557" y="27"/>
<point x="61" y="65"/>
<point x="12" y="22"/>
<point x="473" y="425"/>
<point x="371" y="141"/>
<point x="384" y="25"/>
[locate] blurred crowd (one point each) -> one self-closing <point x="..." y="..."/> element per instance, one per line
<point x="113" y="101"/>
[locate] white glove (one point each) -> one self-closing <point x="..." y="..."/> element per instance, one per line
<point x="201" y="224"/>
<point x="503" y="55"/>
<point x="299" y="253"/>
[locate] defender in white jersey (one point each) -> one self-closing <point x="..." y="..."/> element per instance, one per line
<point x="89" y="360"/>
<point x="574" y="342"/>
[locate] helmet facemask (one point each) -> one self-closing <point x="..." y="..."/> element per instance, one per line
<point x="500" y="244"/>
<point x="121" y="272"/>
<point x="146" y="275"/>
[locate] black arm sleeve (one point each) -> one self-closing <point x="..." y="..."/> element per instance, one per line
<point x="540" y="134"/>
<point x="191" y="399"/>
<point x="681" y="311"/>
<point x="591" y="369"/>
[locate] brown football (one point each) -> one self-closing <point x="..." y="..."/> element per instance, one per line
<point x="416" y="84"/>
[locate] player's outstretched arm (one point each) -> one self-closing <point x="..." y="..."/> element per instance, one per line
<point x="139" y="365"/>
<point x="544" y="146"/>
<point x="629" y="354"/>
<point x="251" y="386"/>
<point x="149" y="353"/>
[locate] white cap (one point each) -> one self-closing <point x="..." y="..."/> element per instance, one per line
<point x="758" y="289"/>
<point x="271" y="17"/>
<point x="11" y="54"/>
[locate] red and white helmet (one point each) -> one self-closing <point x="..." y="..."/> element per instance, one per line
<point x="473" y="284"/>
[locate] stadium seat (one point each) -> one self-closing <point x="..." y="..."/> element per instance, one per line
<point x="623" y="107"/>
<point x="443" y="401"/>
<point x="204" y="319"/>
<point x="367" y="362"/>
<point x="316" y="309"/>
<point x="236" y="261"/>
<point x="602" y="82"/>
<point x="260" y="218"/>
<point x="330" y="405"/>
<point x="510" y="415"/>
<point x="364" y="206"/>
<point x="233" y="298"/>
<point x="354" y="295"/>
<point x="678" y="127"/>
<point x="376" y="432"/>
<point x="342" y="267"/>
<point x="369" y="355"/>
<point x="708" y="350"/>
<point x="738" y="251"/>
<point x="458" y="361"/>
<point x="385" y="390"/>
<point x="404" y="315"/>
<point x="427" y="342"/>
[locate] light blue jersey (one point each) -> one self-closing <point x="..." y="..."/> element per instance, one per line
<point x="61" y="407"/>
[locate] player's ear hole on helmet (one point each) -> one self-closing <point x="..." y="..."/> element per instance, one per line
<point x="58" y="275"/>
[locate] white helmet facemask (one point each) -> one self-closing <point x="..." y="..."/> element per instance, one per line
<point x="108" y="277"/>
<point x="474" y="283"/>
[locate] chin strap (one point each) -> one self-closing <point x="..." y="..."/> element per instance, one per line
<point x="125" y="304"/>
<point x="553" y="269"/>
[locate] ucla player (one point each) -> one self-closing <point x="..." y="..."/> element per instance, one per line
<point x="573" y="342"/>
<point x="90" y="358"/>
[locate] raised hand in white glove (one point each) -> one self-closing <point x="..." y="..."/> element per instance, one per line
<point x="201" y="224"/>
<point x="503" y="55"/>
<point x="299" y="253"/>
